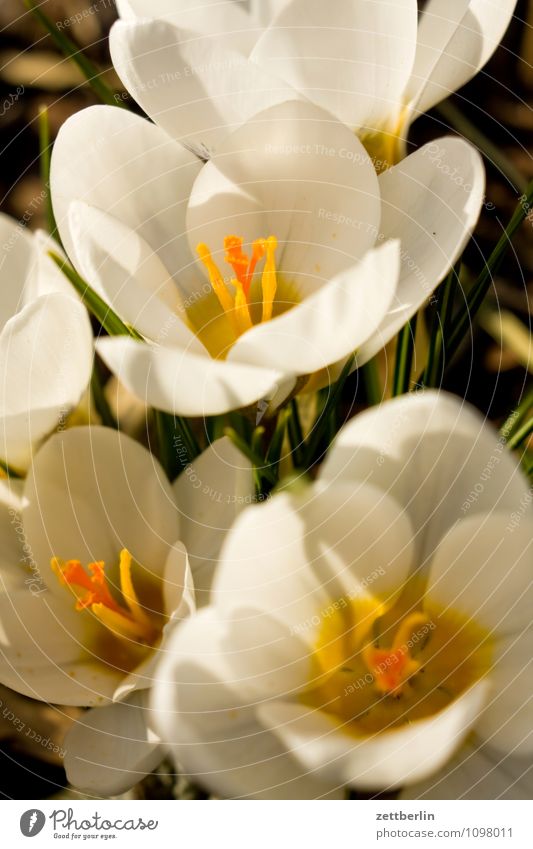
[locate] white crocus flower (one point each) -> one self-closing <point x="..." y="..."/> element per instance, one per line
<point x="359" y="629"/>
<point x="238" y="22"/>
<point x="375" y="65"/>
<point x="272" y="262"/>
<point x="93" y="579"/>
<point x="46" y="344"/>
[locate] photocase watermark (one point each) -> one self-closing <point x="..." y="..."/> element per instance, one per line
<point x="436" y="155"/>
<point x="10" y="100"/>
<point x="34" y="580"/>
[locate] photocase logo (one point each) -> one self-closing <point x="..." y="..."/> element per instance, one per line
<point x="32" y="822"/>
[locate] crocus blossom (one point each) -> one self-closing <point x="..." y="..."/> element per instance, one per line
<point x="267" y="265"/>
<point x="46" y="344"/>
<point x="94" y="577"/>
<point x="360" y="629"/>
<point x="375" y="65"/>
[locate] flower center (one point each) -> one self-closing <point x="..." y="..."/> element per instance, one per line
<point x="127" y="619"/>
<point x="376" y="669"/>
<point x="236" y="303"/>
<point x="241" y="300"/>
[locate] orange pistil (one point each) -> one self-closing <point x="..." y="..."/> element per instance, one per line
<point x="128" y="620"/>
<point x="392" y="667"/>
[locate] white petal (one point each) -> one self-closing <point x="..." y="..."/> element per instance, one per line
<point x="110" y="749"/>
<point x="266" y="10"/>
<point x="194" y="89"/>
<point x="210" y="494"/>
<point x="293" y="172"/>
<point x="90" y="493"/>
<point x="330" y="324"/>
<point x="294" y="555"/>
<point x="18" y="260"/>
<point x="354" y="59"/>
<point x="483" y="569"/>
<point x="225" y="20"/>
<point x="506" y="723"/>
<point x="431" y="201"/>
<point x="121" y="163"/>
<point x="46" y="354"/>
<point x="384" y="761"/>
<point x="43" y="651"/>
<point x="436" y="456"/>
<point x="212" y="735"/>
<point x="453" y="47"/>
<point x="477" y="773"/>
<point x="174" y="380"/>
<point x="130" y="277"/>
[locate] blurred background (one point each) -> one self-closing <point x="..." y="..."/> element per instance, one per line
<point x="492" y="370"/>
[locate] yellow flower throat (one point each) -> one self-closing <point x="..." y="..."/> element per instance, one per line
<point x="376" y="668"/>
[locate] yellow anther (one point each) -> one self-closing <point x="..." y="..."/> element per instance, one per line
<point x="216" y="280"/>
<point x="242" y="312"/>
<point x="269" y="279"/>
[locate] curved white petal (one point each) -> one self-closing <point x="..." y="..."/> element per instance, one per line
<point x="46" y="354"/>
<point x="506" y="723"/>
<point x="91" y="492"/>
<point x="266" y="10"/>
<point x="483" y="569"/>
<point x="477" y="773"/>
<point x="351" y="58"/>
<point x="214" y="737"/>
<point x="436" y="456"/>
<point x="295" y="555"/>
<point x="180" y="382"/>
<point x="224" y="20"/>
<point x="296" y="173"/>
<point x="197" y="91"/>
<point x="121" y="163"/>
<point x="210" y="493"/>
<point x="130" y="277"/>
<point x="430" y="201"/>
<point x="110" y="749"/>
<point x="330" y="324"/>
<point x="387" y="760"/>
<point x="455" y="40"/>
<point x="17" y="254"/>
<point x="44" y="652"/>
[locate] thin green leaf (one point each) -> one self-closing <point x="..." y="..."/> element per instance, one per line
<point x="296" y="436"/>
<point x="257" y="461"/>
<point x="94" y="303"/>
<point x="515" y="419"/>
<point x="401" y="381"/>
<point x="45" y="151"/>
<point x="441" y="324"/>
<point x="276" y="443"/>
<point x="99" y="398"/>
<point x="520" y="436"/>
<point x="73" y="52"/>
<point x="372" y="382"/>
<point x="321" y="425"/>
<point x="482" y="285"/>
<point x="177" y="445"/>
